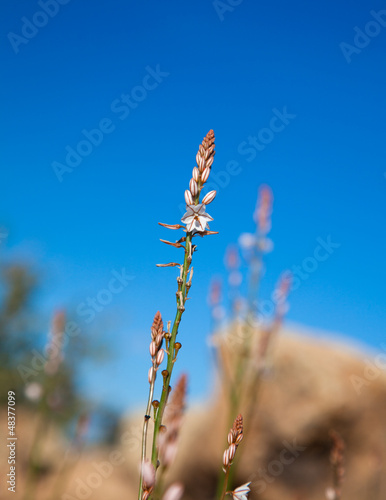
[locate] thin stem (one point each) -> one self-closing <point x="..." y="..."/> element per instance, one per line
<point x="181" y="297"/>
<point x="145" y="427"/>
<point x="225" y="485"/>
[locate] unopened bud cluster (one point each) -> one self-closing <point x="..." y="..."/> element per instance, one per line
<point x="156" y="352"/>
<point x="200" y="174"/>
<point x="235" y="437"/>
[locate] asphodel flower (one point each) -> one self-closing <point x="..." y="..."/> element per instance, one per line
<point x="241" y="493"/>
<point x="195" y="218"/>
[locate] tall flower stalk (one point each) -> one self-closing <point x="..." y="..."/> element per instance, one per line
<point x="196" y="221"/>
<point x="251" y="335"/>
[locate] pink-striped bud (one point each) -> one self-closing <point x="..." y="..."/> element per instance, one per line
<point x="160" y="356"/>
<point x="239" y="439"/>
<point x="188" y="198"/>
<point x="201" y="164"/>
<point x="230" y="437"/>
<point x="150" y="375"/>
<point x="196" y="174"/>
<point x="198" y="157"/>
<point x="231" y="452"/>
<point x="205" y="175"/>
<point x="153" y="348"/>
<point x="193" y="187"/>
<point x="158" y="339"/>
<point x="225" y="458"/>
<point x="209" y="197"/>
<point x="209" y="162"/>
<point x="201" y="149"/>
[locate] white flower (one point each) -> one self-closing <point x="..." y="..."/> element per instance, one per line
<point x="247" y="241"/>
<point x="33" y="391"/>
<point x="174" y="492"/>
<point x="195" y="218"/>
<point x="241" y="493"/>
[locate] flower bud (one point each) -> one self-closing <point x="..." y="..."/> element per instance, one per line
<point x="231" y="452"/>
<point x="193" y="187"/>
<point x="209" y="197"/>
<point x="160" y="356"/>
<point x="148" y="474"/>
<point x="205" y="175"/>
<point x="174" y="492"/>
<point x="209" y="162"/>
<point x="153" y="348"/>
<point x="150" y="375"/>
<point x="188" y="198"/>
<point x="225" y="458"/>
<point x="201" y="164"/>
<point x="196" y="174"/>
<point x="239" y="439"/>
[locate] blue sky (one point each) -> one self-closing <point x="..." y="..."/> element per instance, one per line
<point x="232" y="69"/>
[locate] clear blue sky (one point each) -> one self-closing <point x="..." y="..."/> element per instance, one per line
<point x="209" y="68"/>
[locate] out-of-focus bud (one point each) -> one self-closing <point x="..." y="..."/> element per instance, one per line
<point x="174" y="492"/>
<point x="33" y="391"/>
<point x="239" y="439"/>
<point x="148" y="474"/>
<point x="209" y="197"/>
<point x="232" y="451"/>
<point x="150" y="375"/>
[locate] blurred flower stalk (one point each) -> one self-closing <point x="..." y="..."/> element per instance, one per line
<point x="242" y="346"/>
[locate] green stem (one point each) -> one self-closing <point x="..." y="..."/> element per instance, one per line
<point x="145" y="428"/>
<point x="225" y="485"/>
<point x="183" y="291"/>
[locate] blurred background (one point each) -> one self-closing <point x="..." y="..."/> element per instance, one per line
<point x="104" y="106"/>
